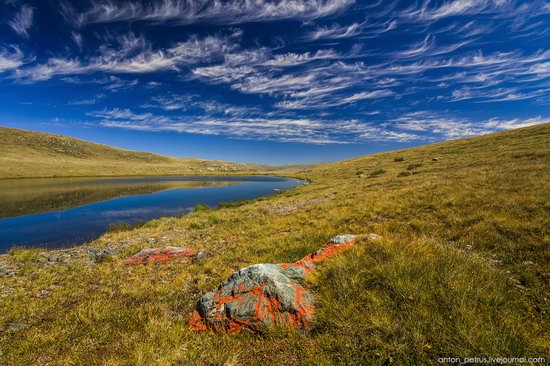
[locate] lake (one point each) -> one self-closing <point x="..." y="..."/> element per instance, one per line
<point x="60" y="212"/>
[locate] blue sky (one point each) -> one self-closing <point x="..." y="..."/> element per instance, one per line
<point x="273" y="81"/>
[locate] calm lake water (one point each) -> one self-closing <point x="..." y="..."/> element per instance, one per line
<point x="58" y="212"/>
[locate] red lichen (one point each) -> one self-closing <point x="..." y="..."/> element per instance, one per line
<point x="159" y="255"/>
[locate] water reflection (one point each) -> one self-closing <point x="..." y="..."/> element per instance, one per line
<point x="59" y="212"/>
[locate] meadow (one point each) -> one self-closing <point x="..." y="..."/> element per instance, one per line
<point x="462" y="270"/>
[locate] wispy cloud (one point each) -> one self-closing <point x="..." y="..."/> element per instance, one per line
<point x="22" y="21"/>
<point x="448" y="126"/>
<point x="11" y="58"/>
<point x="189" y="102"/>
<point x="282" y="129"/>
<point x="77" y="38"/>
<point x="209" y="11"/>
<point x="134" y="55"/>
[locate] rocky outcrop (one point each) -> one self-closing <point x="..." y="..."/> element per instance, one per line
<point x="159" y="255"/>
<point x="263" y="296"/>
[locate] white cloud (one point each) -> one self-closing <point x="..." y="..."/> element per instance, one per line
<point x="11" y="58"/>
<point x="77" y="38"/>
<point x="135" y="55"/>
<point x="248" y="127"/>
<point x="209" y="11"/>
<point x="334" y="31"/>
<point x="91" y="101"/>
<point x="22" y="22"/>
<point x="448" y="126"/>
<point x="496" y="124"/>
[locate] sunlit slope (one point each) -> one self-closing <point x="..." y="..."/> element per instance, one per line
<point x="34" y="154"/>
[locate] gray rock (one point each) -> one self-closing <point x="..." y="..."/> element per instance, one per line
<point x="257" y="297"/>
<point x="44" y="293"/>
<point x="99" y="255"/>
<point x="54" y="258"/>
<point x="374" y="237"/>
<point x="202" y="255"/>
<point x="14" y="327"/>
<point x="7" y="271"/>
<point x="341" y="239"/>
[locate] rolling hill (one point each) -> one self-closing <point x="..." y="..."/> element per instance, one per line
<point x="26" y="154"/>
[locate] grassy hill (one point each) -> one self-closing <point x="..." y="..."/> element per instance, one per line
<point x="35" y="154"/>
<point x="463" y="269"/>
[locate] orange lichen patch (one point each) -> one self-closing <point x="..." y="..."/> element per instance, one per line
<point x="159" y="255"/>
<point x="263" y="296"/>
<point x="328" y="251"/>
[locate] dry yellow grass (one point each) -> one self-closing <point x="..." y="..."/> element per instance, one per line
<point x="25" y="154"/>
<point x="462" y="271"/>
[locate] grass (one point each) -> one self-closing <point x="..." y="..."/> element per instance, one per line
<point x="26" y="154"/>
<point x="462" y="270"/>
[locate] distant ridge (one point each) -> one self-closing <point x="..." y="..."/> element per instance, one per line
<point x="25" y="154"/>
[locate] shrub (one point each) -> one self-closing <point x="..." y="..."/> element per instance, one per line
<point x="376" y="173"/>
<point x="414" y="166"/>
<point x="125" y="226"/>
<point x="201" y="207"/>
<point x="231" y="204"/>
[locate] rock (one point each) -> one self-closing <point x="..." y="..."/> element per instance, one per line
<point x="341" y="239"/>
<point x="202" y="255"/>
<point x="7" y="270"/>
<point x="264" y="296"/>
<point x="14" y="327"/>
<point x="374" y="237"/>
<point x="99" y="255"/>
<point x="159" y="255"/>
<point x="44" y="293"/>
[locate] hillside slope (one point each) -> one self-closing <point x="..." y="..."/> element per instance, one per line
<point x="35" y="154"/>
<point x="462" y="270"/>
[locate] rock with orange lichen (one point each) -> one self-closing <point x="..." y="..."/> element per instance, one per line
<point x="265" y="296"/>
<point x="159" y="255"/>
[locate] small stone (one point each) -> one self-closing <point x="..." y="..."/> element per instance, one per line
<point x="16" y="326"/>
<point x="7" y="271"/>
<point x="54" y="258"/>
<point x="374" y="237"/>
<point x="44" y="293"/>
<point x="341" y="239"/>
<point x="202" y="255"/>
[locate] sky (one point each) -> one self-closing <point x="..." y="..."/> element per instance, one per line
<point x="273" y="81"/>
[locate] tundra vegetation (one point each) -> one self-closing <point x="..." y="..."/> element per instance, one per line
<point x="462" y="269"/>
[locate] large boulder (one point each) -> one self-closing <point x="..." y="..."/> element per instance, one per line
<point x="263" y="296"/>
